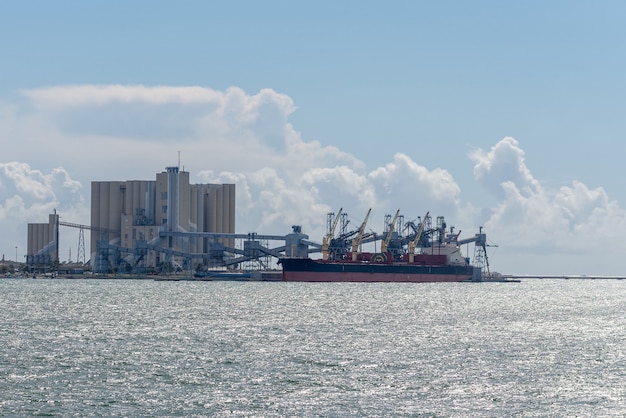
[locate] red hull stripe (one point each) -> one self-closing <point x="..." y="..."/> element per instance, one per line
<point x="304" y="276"/>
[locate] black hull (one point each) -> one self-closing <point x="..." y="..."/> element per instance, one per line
<point x="307" y="270"/>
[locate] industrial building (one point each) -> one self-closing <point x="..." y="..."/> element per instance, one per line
<point x="144" y="223"/>
<point x="134" y="212"/>
<point x="43" y="242"/>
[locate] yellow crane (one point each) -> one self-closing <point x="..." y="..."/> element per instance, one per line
<point x="356" y="242"/>
<point x="418" y="235"/>
<point x="331" y="233"/>
<point x="385" y="243"/>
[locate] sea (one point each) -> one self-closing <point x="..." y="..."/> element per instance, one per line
<point x="88" y="347"/>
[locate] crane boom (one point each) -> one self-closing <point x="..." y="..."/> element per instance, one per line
<point x="418" y="235"/>
<point x="332" y="230"/>
<point x="385" y="243"/>
<point x="331" y="233"/>
<point x="356" y="242"/>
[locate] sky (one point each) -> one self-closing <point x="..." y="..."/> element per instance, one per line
<point x="508" y="116"/>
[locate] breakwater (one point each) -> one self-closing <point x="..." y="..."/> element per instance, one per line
<point x="560" y="277"/>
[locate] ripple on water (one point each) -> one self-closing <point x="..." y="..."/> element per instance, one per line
<point x="542" y="348"/>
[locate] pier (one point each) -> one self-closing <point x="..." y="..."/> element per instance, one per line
<point x="560" y="277"/>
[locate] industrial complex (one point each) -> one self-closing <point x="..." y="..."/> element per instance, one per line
<point x="143" y="225"/>
<point x="168" y="225"/>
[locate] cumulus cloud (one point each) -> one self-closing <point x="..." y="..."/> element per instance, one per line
<point x="27" y="191"/>
<point x="86" y="133"/>
<point x="212" y="129"/>
<point x="28" y="195"/>
<point x="572" y="219"/>
<point x="405" y="177"/>
<point x="503" y="163"/>
<point x="275" y="198"/>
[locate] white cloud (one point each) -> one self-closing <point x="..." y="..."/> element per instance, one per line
<point x="28" y="191"/>
<point x="504" y="162"/>
<point x="404" y="177"/>
<point x="531" y="220"/>
<point x="106" y="130"/>
<point x="71" y="135"/>
<point x="29" y="195"/>
<point x="279" y="197"/>
<point x="84" y="95"/>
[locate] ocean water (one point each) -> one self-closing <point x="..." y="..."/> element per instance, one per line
<point x="539" y="348"/>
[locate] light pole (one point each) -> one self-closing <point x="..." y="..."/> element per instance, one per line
<point x="16" y="254"/>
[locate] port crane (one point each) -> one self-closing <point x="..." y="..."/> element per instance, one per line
<point x="414" y="243"/>
<point x="331" y="233"/>
<point x="480" y="253"/>
<point x="356" y="242"/>
<point x="385" y="243"/>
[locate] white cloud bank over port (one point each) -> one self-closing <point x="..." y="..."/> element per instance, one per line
<point x="59" y="139"/>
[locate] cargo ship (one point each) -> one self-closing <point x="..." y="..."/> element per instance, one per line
<point x="425" y="268"/>
<point x="439" y="258"/>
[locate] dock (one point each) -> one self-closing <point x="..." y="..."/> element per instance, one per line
<point x="559" y="277"/>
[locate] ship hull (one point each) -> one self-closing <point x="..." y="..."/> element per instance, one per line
<point x="307" y="270"/>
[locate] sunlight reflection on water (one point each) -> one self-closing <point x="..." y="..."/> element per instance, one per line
<point x="98" y="347"/>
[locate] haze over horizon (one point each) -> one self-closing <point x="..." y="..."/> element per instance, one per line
<point x="507" y="117"/>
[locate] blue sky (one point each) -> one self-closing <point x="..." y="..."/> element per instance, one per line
<point x="501" y="114"/>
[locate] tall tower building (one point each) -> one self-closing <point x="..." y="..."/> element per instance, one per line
<point x="124" y="212"/>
